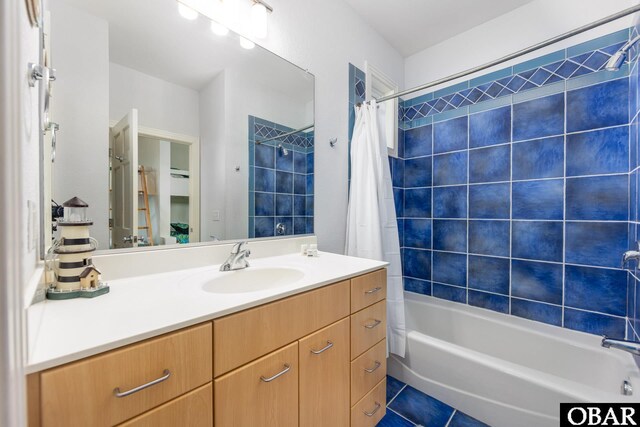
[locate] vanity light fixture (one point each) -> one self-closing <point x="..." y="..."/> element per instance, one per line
<point x="186" y="12"/>
<point x="219" y="29"/>
<point x="259" y="18"/>
<point x="246" y="43"/>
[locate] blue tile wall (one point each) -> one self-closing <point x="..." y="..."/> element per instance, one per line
<point x="280" y="187"/>
<point x="522" y="198"/>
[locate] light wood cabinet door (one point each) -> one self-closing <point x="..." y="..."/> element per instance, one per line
<point x="369" y="411"/>
<point x="368" y="289"/>
<point x="194" y="409"/>
<point x="245" y="336"/>
<point x="84" y="393"/>
<point x="324" y="377"/>
<point x="262" y="393"/>
<point x="368" y="327"/>
<point x="368" y="370"/>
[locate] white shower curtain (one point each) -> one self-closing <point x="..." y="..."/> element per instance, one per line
<point x="372" y="229"/>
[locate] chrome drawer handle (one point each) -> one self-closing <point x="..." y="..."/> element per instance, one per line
<point x="374" y="290"/>
<point x="375" y="368"/>
<point x="286" y="369"/>
<point x="322" y="350"/>
<point x="372" y="413"/>
<point x="374" y="324"/>
<point x="164" y="377"/>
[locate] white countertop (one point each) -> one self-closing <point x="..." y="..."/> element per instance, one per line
<point x="147" y="306"/>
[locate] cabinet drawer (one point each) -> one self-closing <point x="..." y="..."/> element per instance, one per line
<point x="370" y="410"/>
<point x="245" y="336"/>
<point x="263" y="393"/>
<point x="324" y="377"/>
<point x="368" y="289"/>
<point x="368" y="370"/>
<point x="194" y="409"/>
<point x="368" y="327"/>
<point x="84" y="393"/>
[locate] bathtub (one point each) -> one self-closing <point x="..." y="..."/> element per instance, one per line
<point x="504" y="370"/>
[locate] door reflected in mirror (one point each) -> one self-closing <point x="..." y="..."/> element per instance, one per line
<point x="172" y="133"/>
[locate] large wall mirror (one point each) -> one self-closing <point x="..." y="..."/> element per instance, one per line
<point x="171" y="133"/>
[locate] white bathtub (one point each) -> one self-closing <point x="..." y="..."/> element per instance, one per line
<point x="504" y="370"/>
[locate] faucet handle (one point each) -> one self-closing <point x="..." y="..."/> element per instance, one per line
<point x="238" y="247"/>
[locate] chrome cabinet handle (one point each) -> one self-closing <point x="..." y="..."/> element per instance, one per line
<point x="374" y="324"/>
<point x="164" y="377"/>
<point x="374" y="290"/>
<point x="375" y="368"/>
<point x="286" y="369"/>
<point x="372" y="413"/>
<point x="322" y="350"/>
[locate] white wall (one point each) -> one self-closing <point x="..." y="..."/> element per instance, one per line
<point x="161" y="104"/>
<point x="80" y="53"/>
<point x="508" y="33"/>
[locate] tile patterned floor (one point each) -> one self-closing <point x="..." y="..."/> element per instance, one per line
<point x="408" y="407"/>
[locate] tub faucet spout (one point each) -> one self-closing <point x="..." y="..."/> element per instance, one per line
<point x="629" y="255"/>
<point x="632" y="347"/>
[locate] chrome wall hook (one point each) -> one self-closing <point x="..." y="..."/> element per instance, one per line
<point x="333" y="142"/>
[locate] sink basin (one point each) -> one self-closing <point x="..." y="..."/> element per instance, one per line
<point x="252" y="279"/>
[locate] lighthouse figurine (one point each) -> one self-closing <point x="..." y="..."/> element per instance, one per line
<point x="75" y="275"/>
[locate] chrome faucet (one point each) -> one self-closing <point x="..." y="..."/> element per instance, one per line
<point x="237" y="259"/>
<point x="632" y="347"/>
<point x="629" y="255"/>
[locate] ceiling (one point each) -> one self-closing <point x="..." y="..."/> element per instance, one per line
<point x="413" y="25"/>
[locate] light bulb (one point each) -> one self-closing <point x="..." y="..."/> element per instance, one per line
<point x="219" y="29"/>
<point x="259" y="23"/>
<point x="247" y="44"/>
<point x="186" y="12"/>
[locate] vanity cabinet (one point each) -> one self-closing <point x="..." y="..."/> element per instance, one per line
<point x="313" y="359"/>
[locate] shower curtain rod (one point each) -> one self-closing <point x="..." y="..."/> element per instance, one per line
<point x="514" y="55"/>
<point x="284" y="135"/>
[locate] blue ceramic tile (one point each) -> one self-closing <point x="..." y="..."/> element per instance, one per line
<point x="299" y="184"/>
<point x="398" y="201"/>
<point x="310" y="163"/>
<point x="310" y="225"/>
<point x="596" y="289"/>
<point x="489" y="237"/>
<point x="417" y="142"/>
<point x="310" y="180"/>
<point x="538" y="199"/>
<point x="463" y="420"/>
<point x="551" y="314"/>
<point x="299" y="225"/>
<point x="417" y="286"/>
<point x="265" y="227"/>
<point x="420" y="408"/>
<point x="598" y="106"/>
<point x="285" y="163"/>
<point x="450" y="269"/>
<point x="490" y="127"/>
<point x="417" y="172"/>
<point x="284" y="182"/>
<point x="265" y="179"/>
<point x="284" y="204"/>
<point x="264" y="204"/>
<point x="299" y="205"/>
<point x="417" y="264"/>
<point x="287" y="222"/>
<point x="493" y="302"/>
<point x="489" y="274"/>
<point x="391" y="419"/>
<point x="450" y="202"/>
<point x="490" y="164"/>
<point x="450" y="235"/>
<point x="596" y="243"/>
<point x="400" y="223"/>
<point x="265" y="156"/>
<point x="394" y="386"/>
<point x="299" y="162"/>
<point x="536" y="281"/>
<point x="417" y="203"/>
<point x="451" y="293"/>
<point x="593" y="323"/>
<point x="401" y="143"/>
<point x="598" y="152"/>
<point x="537" y="240"/>
<point x="450" y="169"/>
<point x="490" y="201"/>
<point x="450" y="135"/>
<point x="397" y="172"/>
<point x="417" y="233"/>
<point x="598" y="198"/>
<point x="539" y="158"/>
<point x="538" y="118"/>
<point x="309" y="205"/>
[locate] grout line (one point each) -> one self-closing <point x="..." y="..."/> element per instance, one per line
<point x="400" y="415"/>
<point x="397" y="394"/>
<point x="451" y="417"/>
